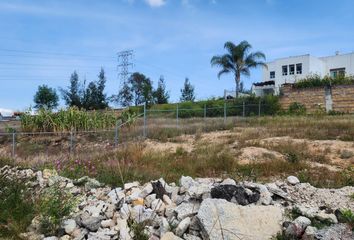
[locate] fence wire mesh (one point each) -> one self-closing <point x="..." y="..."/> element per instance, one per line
<point x="38" y="148"/>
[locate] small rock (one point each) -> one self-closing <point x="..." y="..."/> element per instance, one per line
<point x="167" y="200"/>
<point x="69" y="226"/>
<point x="293" y="180"/>
<point x="138" y="201"/>
<point x="170" y="236"/>
<point x="91" y="223"/>
<point x="128" y="186"/>
<point x="147" y="190"/>
<point x="107" y="223"/>
<point x="183" y="226"/>
<point x="187" y="209"/>
<point x="228" y="181"/>
<point x="309" y="233"/>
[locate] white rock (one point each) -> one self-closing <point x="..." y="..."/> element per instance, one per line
<point x="170" y="236"/>
<point x="190" y="237"/>
<point x="116" y="194"/>
<point x="322" y="216"/>
<point x="164" y="226"/>
<point x="69" y="226"/>
<point x="65" y="237"/>
<point x="50" y="238"/>
<point x="158" y="206"/>
<point x="125" y="211"/>
<point x="146" y="190"/>
<point x="228" y="181"/>
<point x="128" y="186"/>
<point x="219" y="217"/>
<point x="293" y="180"/>
<point x="167" y="200"/>
<point x="149" y="199"/>
<point x="183" y="226"/>
<point x="107" y="223"/>
<point x="187" y="209"/>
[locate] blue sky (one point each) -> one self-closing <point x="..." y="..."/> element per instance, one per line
<point x="43" y="42"/>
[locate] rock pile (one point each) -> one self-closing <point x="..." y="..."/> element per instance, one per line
<point x="195" y="209"/>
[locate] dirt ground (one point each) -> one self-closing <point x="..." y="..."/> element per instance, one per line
<point x="247" y="149"/>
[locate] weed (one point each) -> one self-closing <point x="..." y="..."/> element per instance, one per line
<point x="137" y="230"/>
<point x="54" y="204"/>
<point x="348" y="217"/>
<point x="16" y="207"/>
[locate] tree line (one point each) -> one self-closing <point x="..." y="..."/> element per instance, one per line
<point x="137" y="90"/>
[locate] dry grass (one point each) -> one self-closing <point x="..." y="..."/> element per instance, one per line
<point x="211" y="154"/>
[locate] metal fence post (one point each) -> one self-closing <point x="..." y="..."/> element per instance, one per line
<point x="243" y="112"/>
<point x="224" y="112"/>
<point x="13" y="144"/>
<point x="116" y="135"/>
<point x="177" y="115"/>
<point x="204" y="111"/>
<point x="259" y="108"/>
<point x="144" y="128"/>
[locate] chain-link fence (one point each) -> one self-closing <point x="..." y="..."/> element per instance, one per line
<point x="162" y="124"/>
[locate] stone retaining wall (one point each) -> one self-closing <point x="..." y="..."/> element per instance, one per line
<point x="313" y="99"/>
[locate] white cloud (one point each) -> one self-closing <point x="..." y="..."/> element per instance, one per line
<point x="156" y="3"/>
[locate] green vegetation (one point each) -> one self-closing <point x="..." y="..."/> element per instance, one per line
<point x="238" y="61"/>
<point x="66" y="120"/>
<point x="137" y="230"/>
<point x="46" y="98"/>
<point x="296" y="108"/>
<point x="91" y="97"/>
<point x="215" y="108"/>
<point x="317" y="81"/>
<point x="54" y="204"/>
<point x="16" y="207"/>
<point x="348" y="217"/>
<point x="187" y="92"/>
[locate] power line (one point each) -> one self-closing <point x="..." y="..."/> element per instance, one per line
<point x="53" y="53"/>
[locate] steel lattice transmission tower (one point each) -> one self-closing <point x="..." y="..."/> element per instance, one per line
<point x="124" y="63"/>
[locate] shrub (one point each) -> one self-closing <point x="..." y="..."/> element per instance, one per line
<point x="296" y="108"/>
<point x="16" y="207"/>
<point x="318" y="81"/>
<point x="348" y="217"/>
<point x="54" y="204"/>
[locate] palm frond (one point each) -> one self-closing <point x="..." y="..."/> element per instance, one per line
<point x="223" y="71"/>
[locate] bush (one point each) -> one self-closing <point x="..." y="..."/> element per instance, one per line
<point x="297" y="109"/>
<point x="16" y="207"/>
<point x="318" y="81"/>
<point x="54" y="204"/>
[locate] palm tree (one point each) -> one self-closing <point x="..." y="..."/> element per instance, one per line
<point x="238" y="60"/>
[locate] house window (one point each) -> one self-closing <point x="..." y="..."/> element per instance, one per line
<point x="299" y="68"/>
<point x="338" y="72"/>
<point x="291" y="69"/>
<point x="285" y="70"/>
<point x="272" y="74"/>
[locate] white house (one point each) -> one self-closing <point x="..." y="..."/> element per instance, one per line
<point x="291" y="69"/>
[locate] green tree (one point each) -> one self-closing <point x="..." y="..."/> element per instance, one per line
<point x="238" y="60"/>
<point x="187" y="92"/>
<point x="141" y="88"/>
<point x="73" y="95"/>
<point x="93" y="96"/>
<point x="161" y="96"/>
<point x="125" y="96"/>
<point x="46" y="98"/>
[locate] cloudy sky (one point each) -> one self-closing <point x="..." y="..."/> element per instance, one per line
<point x="43" y="42"/>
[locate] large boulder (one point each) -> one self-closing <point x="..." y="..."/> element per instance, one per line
<point x="222" y="219"/>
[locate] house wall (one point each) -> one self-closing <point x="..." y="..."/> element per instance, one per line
<point x="310" y="65"/>
<point x="314" y="98"/>
<point x="340" y="61"/>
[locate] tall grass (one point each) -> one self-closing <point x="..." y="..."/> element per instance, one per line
<point x="67" y="120"/>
